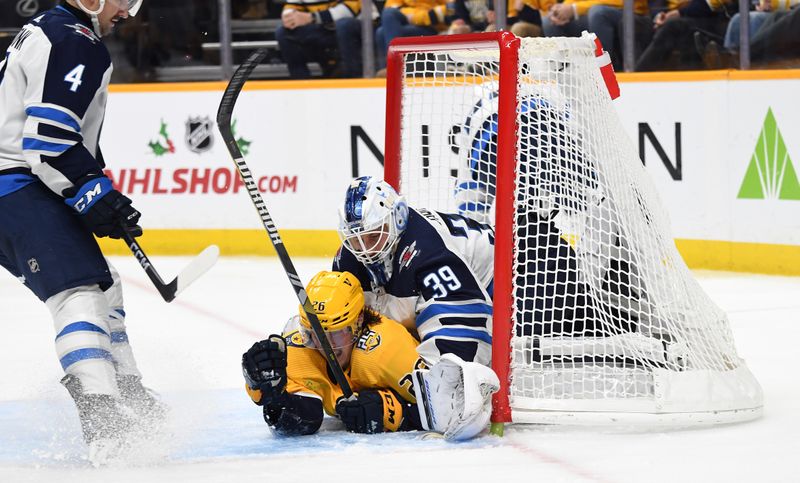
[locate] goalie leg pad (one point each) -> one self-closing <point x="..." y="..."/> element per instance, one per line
<point x="454" y="397"/>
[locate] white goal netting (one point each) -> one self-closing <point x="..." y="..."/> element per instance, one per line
<point x="608" y="323"/>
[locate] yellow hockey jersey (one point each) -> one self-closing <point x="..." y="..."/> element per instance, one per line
<point x="427" y="13"/>
<point x="383" y="357"/>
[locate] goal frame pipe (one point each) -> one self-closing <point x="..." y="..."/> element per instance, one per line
<point x="503" y="301"/>
<point x="394" y="83"/>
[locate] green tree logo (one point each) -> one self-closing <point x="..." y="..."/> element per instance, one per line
<point x="770" y="174"/>
<point x="168" y="146"/>
<point x="244" y="144"/>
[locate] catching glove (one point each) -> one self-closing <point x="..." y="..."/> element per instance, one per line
<point x="104" y="210"/>
<point x="264" y="369"/>
<point x="371" y="411"/>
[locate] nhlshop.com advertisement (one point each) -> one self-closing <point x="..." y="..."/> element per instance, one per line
<point x="721" y="152"/>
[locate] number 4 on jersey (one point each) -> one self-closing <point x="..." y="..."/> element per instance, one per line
<point x="74" y="77"/>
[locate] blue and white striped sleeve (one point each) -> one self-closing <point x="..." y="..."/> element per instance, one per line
<point x="64" y="104"/>
<point x="454" y="314"/>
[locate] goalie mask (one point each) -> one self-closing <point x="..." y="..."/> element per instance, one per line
<point x="372" y="219"/>
<point x="338" y="301"/>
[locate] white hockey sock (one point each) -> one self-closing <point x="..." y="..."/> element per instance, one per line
<point x="120" y="346"/>
<point x="83" y="340"/>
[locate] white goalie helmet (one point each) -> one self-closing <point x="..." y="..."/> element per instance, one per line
<point x="372" y="219"/>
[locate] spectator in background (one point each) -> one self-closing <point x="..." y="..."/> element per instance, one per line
<point x="348" y="38"/>
<point x="523" y="17"/>
<point x="675" y="29"/>
<point x="409" y="18"/>
<point x="528" y="22"/>
<point x="470" y="16"/>
<point x="602" y="17"/>
<point x="765" y="9"/>
<point x="774" y="35"/>
<point x="308" y="34"/>
<point x="779" y="36"/>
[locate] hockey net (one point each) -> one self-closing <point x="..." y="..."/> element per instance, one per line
<point x="597" y="319"/>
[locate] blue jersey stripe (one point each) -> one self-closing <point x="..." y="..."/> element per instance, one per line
<point x="460" y="333"/>
<point x="481" y="144"/>
<point x="82" y="326"/>
<point x="119" y="337"/>
<point x="14" y="182"/>
<point x="52" y="114"/>
<point x="473" y="206"/>
<point x="84" y="354"/>
<point x="471" y="185"/>
<point x="31" y="144"/>
<point x="447" y="309"/>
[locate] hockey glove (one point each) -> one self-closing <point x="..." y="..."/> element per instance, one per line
<point x="371" y="411"/>
<point x="264" y="369"/>
<point x="100" y="207"/>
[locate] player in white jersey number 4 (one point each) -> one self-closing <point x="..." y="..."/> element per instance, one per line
<point x="432" y="272"/>
<point x="54" y="197"/>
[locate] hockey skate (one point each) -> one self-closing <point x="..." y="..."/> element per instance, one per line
<point x="104" y="422"/>
<point x="149" y="411"/>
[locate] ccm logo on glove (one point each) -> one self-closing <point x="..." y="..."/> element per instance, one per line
<point x="89" y="193"/>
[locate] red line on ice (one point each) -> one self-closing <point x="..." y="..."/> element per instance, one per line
<point x="201" y="311"/>
<point x="567" y="466"/>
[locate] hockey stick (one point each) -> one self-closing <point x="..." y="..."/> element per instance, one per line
<point x="224" y="124"/>
<point x="197" y="267"/>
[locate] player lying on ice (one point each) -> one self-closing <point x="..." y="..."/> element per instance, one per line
<point x="54" y="197"/>
<point x="287" y="374"/>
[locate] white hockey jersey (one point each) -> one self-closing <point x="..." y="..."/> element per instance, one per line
<point x="439" y="282"/>
<point x="53" y="89"/>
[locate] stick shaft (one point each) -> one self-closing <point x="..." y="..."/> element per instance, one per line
<point x="167" y="290"/>
<point x="224" y="124"/>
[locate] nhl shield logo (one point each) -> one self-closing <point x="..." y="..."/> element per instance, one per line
<point x="199" y="135"/>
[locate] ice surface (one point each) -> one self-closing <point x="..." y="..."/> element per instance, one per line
<point x="189" y="351"/>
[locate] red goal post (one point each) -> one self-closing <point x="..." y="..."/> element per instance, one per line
<point x="509" y="47"/>
<point x="596" y="320"/>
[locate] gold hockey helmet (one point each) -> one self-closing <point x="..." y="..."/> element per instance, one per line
<point x="338" y="301"/>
